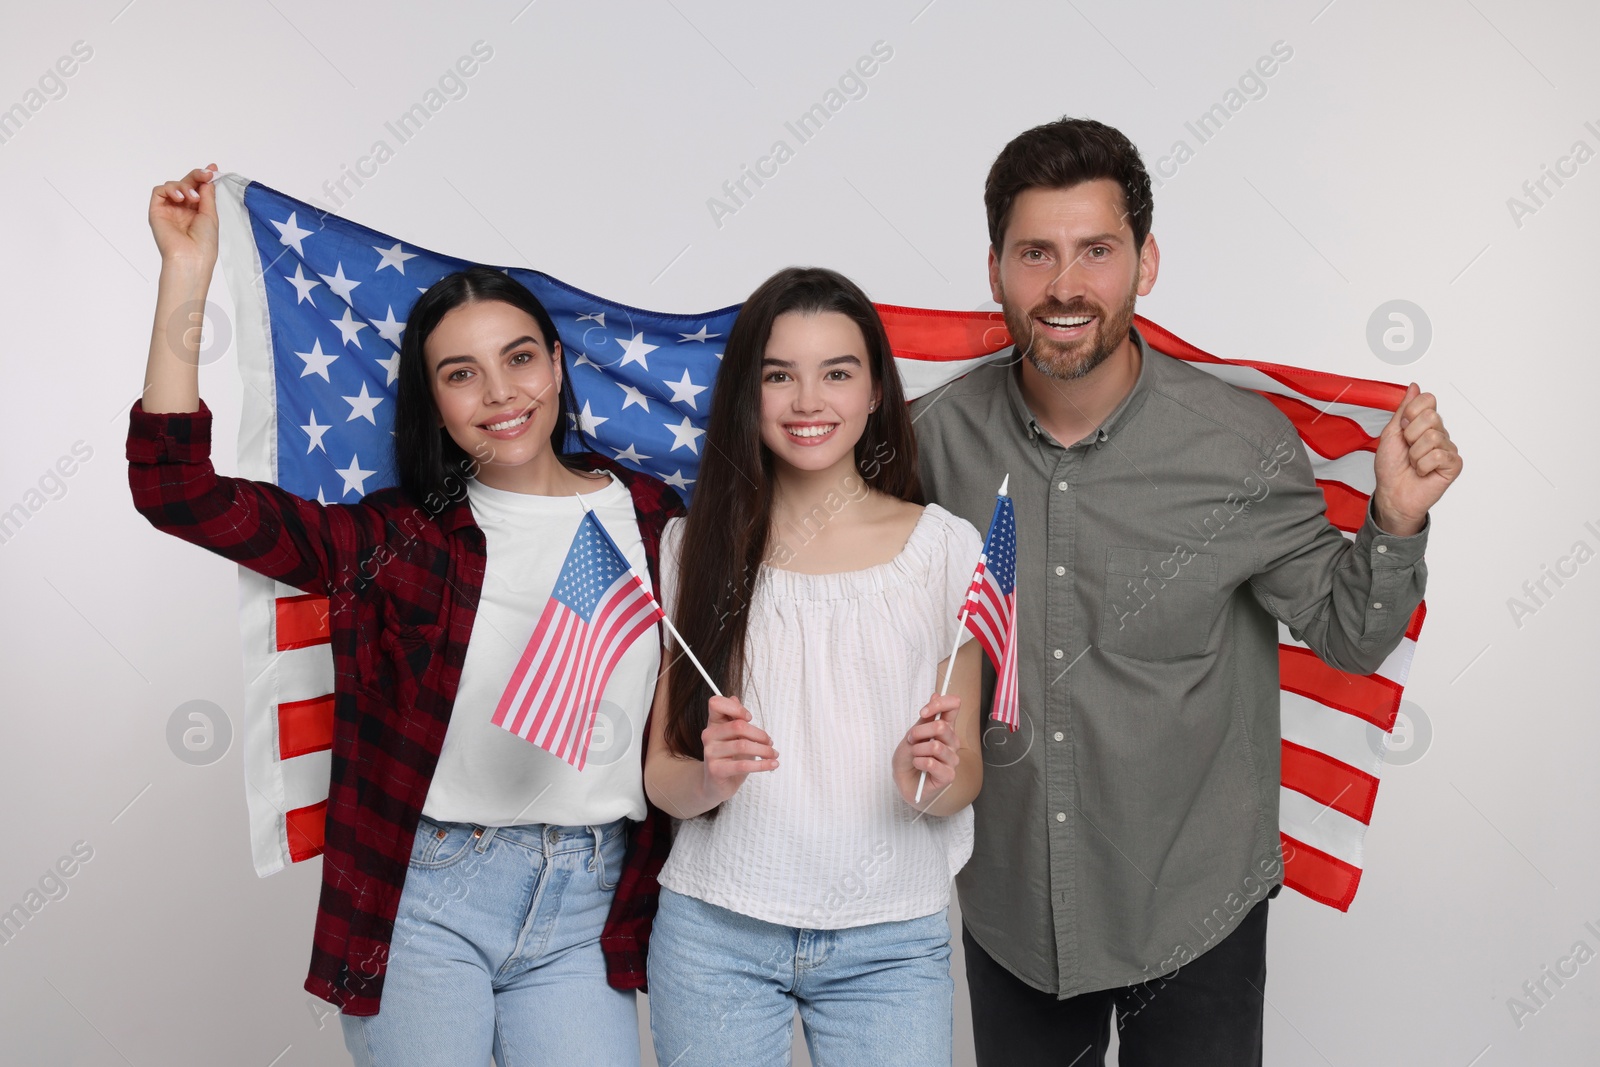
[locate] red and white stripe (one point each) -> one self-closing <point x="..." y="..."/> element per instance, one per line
<point x="555" y="690"/>
<point x="992" y="618"/>
<point x="989" y="611"/>
<point x="1005" y="708"/>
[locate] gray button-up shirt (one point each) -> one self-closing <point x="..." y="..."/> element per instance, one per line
<point x="1133" y="819"/>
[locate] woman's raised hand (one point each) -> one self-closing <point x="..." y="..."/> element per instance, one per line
<point x="183" y="217"/>
<point x="734" y="747"/>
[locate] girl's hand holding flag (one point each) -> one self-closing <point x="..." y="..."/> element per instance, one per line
<point x="931" y="750"/>
<point x="732" y="748"/>
<point x="735" y="747"/>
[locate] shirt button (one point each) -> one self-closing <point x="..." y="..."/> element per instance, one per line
<point x="1060" y="735"/>
<point x="1383" y="548"/>
<point x="1061" y="816"/>
<point x="1058" y="653"/>
<point x="1061" y="486"/>
<point x="1377" y="605"/>
<point x="1060" y="571"/>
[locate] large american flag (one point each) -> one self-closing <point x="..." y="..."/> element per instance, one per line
<point x="990" y="610"/>
<point x="597" y="609"/>
<point x="321" y="303"/>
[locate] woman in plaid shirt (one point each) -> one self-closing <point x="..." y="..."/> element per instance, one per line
<point x="491" y="895"/>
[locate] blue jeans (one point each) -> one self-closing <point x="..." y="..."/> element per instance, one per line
<point x="724" y="988"/>
<point x="497" y="949"/>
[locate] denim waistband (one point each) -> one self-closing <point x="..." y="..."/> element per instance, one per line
<point x="547" y="838"/>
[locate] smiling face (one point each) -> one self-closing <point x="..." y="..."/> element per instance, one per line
<point x="497" y="386"/>
<point x="1068" y="274"/>
<point x="816" y="390"/>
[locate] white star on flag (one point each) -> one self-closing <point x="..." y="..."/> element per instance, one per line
<point x="634" y="350"/>
<point x="291" y="234"/>
<point x="362" y="407"/>
<point x="634" y="397"/>
<point x="598" y="316"/>
<point x="349" y="328"/>
<point x="677" y="480"/>
<point x="631" y="455"/>
<point x="589" y="422"/>
<point x="355" y="479"/>
<point x="315" y="432"/>
<point x="684" y="391"/>
<point x="317" y="361"/>
<point x="698" y="335"/>
<point x="341" y="286"/>
<point x="684" y="435"/>
<point x="389" y="329"/>
<point x="391" y="367"/>
<point x="302" y="285"/>
<point x="392" y="257"/>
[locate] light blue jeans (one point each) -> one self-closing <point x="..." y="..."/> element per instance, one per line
<point x="724" y="988"/>
<point x="497" y="949"/>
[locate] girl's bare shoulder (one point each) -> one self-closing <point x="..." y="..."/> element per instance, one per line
<point x="892" y="517"/>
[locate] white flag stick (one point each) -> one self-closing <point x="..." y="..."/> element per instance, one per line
<point x="950" y="664"/>
<point x="673" y="630"/>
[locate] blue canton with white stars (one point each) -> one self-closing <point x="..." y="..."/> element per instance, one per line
<point x="592" y="566"/>
<point x="1000" y="547"/>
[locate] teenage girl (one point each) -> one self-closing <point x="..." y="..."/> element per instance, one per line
<point x="479" y="895"/>
<point x="823" y="597"/>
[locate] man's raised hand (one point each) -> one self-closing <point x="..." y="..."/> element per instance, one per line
<point x="1415" y="463"/>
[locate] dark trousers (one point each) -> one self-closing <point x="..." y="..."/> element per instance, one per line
<point x="1207" y="1014"/>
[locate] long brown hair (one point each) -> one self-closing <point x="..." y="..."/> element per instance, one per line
<point x="725" y="535"/>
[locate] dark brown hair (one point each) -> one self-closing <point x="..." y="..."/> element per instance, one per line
<point x="1059" y="155"/>
<point x="726" y="533"/>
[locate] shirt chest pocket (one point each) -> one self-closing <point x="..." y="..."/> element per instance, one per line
<point x="396" y="648"/>
<point x="1159" y="605"/>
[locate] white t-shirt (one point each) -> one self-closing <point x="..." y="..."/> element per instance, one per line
<point x="491" y="777"/>
<point x="837" y="667"/>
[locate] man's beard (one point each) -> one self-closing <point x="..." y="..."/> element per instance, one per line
<point x="1070" y="361"/>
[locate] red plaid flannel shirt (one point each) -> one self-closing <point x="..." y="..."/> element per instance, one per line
<point x="403" y="590"/>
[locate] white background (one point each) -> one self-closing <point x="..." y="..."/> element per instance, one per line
<point x="1377" y="166"/>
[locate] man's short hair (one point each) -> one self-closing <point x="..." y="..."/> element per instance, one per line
<point x="1061" y="154"/>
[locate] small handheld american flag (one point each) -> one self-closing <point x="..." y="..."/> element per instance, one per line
<point x="991" y="608"/>
<point x="990" y="612"/>
<point x="597" y="609"/>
